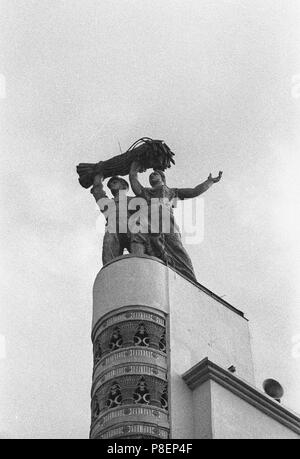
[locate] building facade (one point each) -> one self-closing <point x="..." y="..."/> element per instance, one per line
<point x="173" y="360"/>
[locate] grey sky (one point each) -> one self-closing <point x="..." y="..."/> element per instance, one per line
<point x="214" y="80"/>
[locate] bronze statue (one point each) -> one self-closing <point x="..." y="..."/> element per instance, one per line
<point x="114" y="241"/>
<point x="154" y="240"/>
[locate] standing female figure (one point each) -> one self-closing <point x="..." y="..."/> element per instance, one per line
<point x="163" y="240"/>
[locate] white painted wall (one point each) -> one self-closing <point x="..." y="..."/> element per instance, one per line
<point x="234" y="418"/>
<point x="201" y="327"/>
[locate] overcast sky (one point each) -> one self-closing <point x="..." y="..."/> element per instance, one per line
<point x="214" y="79"/>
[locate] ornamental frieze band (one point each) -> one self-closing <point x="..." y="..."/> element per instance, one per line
<point x="130" y="377"/>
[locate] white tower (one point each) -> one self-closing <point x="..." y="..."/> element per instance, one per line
<point x="163" y="347"/>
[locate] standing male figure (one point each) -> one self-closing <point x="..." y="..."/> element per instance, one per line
<point x="117" y="237"/>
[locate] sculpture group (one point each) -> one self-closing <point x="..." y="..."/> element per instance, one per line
<point x="144" y="224"/>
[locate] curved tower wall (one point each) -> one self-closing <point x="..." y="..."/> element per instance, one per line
<point x="130" y="382"/>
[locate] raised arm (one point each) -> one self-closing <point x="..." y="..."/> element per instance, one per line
<point x="97" y="189"/>
<point x="188" y="193"/>
<point x="137" y="188"/>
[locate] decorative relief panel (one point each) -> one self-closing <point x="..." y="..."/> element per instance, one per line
<point x="100" y="377"/>
<point x="129" y="334"/>
<point x="130" y="376"/>
<point x="125" y="391"/>
<point x="130" y="314"/>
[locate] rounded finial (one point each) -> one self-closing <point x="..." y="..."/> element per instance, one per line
<point x="273" y="389"/>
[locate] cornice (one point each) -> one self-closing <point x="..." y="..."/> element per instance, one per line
<point x="207" y="370"/>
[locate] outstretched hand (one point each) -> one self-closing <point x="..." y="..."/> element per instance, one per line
<point x="215" y="179"/>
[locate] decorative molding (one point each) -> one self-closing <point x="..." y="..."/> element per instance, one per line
<point x="131" y="355"/>
<point x="138" y="313"/>
<point x="130" y="413"/>
<point x="134" y="430"/>
<point x="207" y="370"/>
